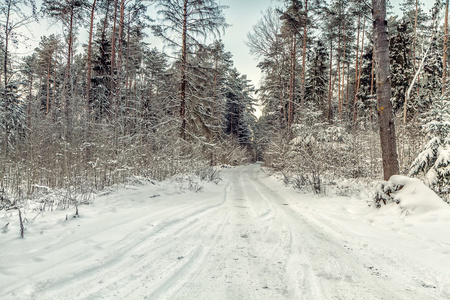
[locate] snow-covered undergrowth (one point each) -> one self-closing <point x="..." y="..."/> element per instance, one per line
<point x="409" y="194"/>
<point x="326" y="185"/>
<point x="415" y="228"/>
<point x="17" y="215"/>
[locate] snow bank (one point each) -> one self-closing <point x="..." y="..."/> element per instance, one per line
<point x="413" y="196"/>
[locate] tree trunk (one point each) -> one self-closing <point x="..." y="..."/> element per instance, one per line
<point x="7" y="31"/>
<point x="405" y="105"/>
<point x="362" y="53"/>
<point x="415" y="35"/>
<point x="385" y="114"/>
<point x="444" y="67"/>
<point x="89" y="61"/>
<point x="183" y="72"/>
<point x="113" y="61"/>
<point x="120" y="52"/>
<point x="53" y="100"/>
<point x="355" y="116"/>
<point x="372" y="73"/>
<point x="128" y="80"/>
<point x="5" y="75"/>
<point x="118" y="75"/>
<point x="339" y="71"/>
<point x="347" y="92"/>
<point x="47" y="107"/>
<point x="68" y="67"/>
<point x="302" y="85"/>
<point x="355" y="111"/>
<point x="30" y="98"/>
<point x="330" y="88"/>
<point x="341" y="91"/>
<point x="213" y="113"/>
<point x="292" y="83"/>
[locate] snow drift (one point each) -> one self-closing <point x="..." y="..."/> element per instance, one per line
<point x="410" y="195"/>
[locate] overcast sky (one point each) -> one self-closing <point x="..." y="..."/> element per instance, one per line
<point x="242" y="15"/>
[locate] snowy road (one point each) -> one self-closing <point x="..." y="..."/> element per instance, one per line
<point x="246" y="238"/>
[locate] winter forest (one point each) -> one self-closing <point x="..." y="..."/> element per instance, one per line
<point x="141" y="158"/>
<point x="78" y="115"/>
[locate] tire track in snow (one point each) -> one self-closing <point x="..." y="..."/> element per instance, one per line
<point x="121" y="263"/>
<point x="248" y="262"/>
<point x="334" y="270"/>
<point x="249" y="242"/>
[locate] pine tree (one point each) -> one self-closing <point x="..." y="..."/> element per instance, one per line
<point x="239" y="117"/>
<point x="317" y="79"/>
<point x="153" y="89"/>
<point x="290" y="30"/>
<point x="401" y="64"/>
<point x="70" y="13"/>
<point x="183" y="22"/>
<point x="434" y="160"/>
<point x="12" y="116"/>
<point x="47" y="63"/>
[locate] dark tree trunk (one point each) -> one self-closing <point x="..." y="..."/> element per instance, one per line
<point x="355" y="110"/>
<point x="113" y="62"/>
<point x="292" y="83"/>
<point x="7" y="32"/>
<point x="47" y="107"/>
<point x="30" y="98"/>
<point x="183" y="72"/>
<point x="302" y="86"/>
<point x="444" y="67"/>
<point x="89" y="61"/>
<point x="67" y="88"/>
<point x="330" y="86"/>
<point x="385" y="114"/>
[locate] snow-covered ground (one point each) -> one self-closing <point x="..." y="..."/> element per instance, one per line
<point x="248" y="237"/>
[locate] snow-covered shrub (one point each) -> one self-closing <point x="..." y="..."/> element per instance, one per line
<point x="305" y="182"/>
<point x="331" y="150"/>
<point x="287" y="180"/>
<point x="385" y="193"/>
<point x="407" y="195"/>
<point x="434" y="161"/>
<point x="230" y="152"/>
<point x="350" y="187"/>
<point x="194" y="184"/>
<point x="209" y="174"/>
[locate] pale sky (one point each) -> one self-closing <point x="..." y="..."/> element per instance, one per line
<point x="242" y="15"/>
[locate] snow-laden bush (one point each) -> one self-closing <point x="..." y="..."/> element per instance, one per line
<point x="209" y="174"/>
<point x="305" y="182"/>
<point x="434" y="161"/>
<point x="330" y="150"/>
<point x="385" y="193"/>
<point x="407" y="195"/>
